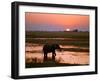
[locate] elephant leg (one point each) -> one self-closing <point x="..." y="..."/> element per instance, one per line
<point x="53" y="57"/>
<point x="53" y="53"/>
<point x="45" y="56"/>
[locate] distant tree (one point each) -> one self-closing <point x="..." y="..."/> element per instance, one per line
<point x="75" y="30"/>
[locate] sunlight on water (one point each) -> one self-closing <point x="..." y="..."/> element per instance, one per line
<point x="34" y="53"/>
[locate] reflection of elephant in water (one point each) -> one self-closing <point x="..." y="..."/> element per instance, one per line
<point x="50" y="48"/>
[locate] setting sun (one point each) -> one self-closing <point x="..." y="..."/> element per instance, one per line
<point x="67" y="29"/>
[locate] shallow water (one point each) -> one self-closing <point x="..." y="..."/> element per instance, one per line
<point x="34" y="54"/>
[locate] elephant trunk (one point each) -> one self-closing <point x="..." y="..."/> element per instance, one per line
<point x="60" y="49"/>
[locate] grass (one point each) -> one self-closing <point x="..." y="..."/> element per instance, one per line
<point x="52" y="64"/>
<point x="41" y="34"/>
<point x="49" y="62"/>
<point x="75" y="38"/>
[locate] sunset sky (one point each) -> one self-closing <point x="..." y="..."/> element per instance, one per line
<point x="55" y="22"/>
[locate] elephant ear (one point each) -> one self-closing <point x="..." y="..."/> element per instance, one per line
<point x="56" y="46"/>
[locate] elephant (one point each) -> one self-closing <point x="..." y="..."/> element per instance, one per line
<point x="50" y="48"/>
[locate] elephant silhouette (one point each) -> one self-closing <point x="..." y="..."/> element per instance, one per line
<point x="50" y="48"/>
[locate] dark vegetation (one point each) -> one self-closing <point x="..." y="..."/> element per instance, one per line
<point x="71" y="38"/>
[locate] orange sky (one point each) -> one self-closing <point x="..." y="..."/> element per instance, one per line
<point x="64" y="20"/>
